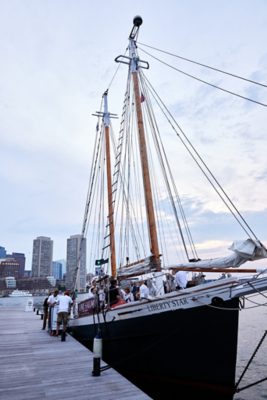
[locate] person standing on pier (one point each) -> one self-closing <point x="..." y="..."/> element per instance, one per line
<point x="45" y="309"/>
<point x="52" y="301"/>
<point x="64" y="305"/>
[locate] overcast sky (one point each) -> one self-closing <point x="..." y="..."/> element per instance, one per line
<point x="57" y="59"/>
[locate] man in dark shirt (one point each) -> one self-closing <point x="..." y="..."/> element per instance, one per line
<point x="45" y="309"/>
<point x="113" y="294"/>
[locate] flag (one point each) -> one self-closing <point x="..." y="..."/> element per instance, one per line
<point x="101" y="261"/>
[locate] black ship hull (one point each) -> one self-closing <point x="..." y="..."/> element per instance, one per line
<point x="188" y="353"/>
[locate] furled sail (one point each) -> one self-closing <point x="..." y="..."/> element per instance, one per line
<point x="143" y="267"/>
<point x="243" y="251"/>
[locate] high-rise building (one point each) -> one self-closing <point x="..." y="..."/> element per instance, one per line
<point x="57" y="270"/>
<point x="20" y="258"/>
<point x="76" y="263"/>
<point x="9" y="267"/>
<point x="63" y="263"/>
<point x="2" y="252"/>
<point x="42" y="256"/>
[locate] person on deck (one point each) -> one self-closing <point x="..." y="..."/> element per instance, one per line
<point x="92" y="292"/>
<point x="134" y="290"/>
<point x="101" y="297"/>
<point x="128" y="296"/>
<point x="113" y="295"/>
<point x="143" y="291"/>
<point x="181" y="280"/>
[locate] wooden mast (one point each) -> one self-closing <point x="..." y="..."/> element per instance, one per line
<point x="142" y="146"/>
<point x="145" y="171"/>
<point x="134" y="63"/>
<point x="106" y="120"/>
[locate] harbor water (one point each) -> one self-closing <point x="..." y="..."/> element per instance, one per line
<point x="252" y="326"/>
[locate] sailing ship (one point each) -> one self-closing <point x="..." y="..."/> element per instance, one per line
<point x="181" y="342"/>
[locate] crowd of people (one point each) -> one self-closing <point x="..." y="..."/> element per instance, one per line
<point x="57" y="305"/>
<point x="112" y="294"/>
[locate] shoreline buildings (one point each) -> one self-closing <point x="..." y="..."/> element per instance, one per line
<point x="42" y="256"/>
<point x="70" y="273"/>
<point x="76" y="262"/>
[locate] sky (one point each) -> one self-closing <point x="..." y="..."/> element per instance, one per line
<point x="57" y="59"/>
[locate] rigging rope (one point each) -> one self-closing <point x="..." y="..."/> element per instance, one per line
<point x="249" y="362"/>
<point x="201" y="80"/>
<point x="170" y="118"/>
<point x="204" y="65"/>
<point x="124" y="202"/>
<point x="161" y="153"/>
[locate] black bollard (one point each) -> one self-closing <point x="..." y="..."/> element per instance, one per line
<point x="97" y="350"/>
<point x="96" y="366"/>
<point x="63" y="336"/>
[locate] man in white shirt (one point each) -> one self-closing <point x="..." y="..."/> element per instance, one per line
<point x="143" y="291"/>
<point x="64" y="305"/>
<point x="52" y="313"/>
<point x="181" y="279"/>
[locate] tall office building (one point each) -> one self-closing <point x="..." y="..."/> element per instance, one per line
<point x="57" y="269"/>
<point x="2" y="252"/>
<point x="76" y="263"/>
<point x="9" y="267"/>
<point x="20" y="258"/>
<point x="42" y="256"/>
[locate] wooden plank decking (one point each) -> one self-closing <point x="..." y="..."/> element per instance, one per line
<point x="36" y="366"/>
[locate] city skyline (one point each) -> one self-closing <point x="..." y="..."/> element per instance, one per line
<point x="10" y="253"/>
<point x="43" y="264"/>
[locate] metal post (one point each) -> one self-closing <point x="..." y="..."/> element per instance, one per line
<point x="97" y="350"/>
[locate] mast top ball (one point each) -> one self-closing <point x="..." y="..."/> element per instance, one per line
<point x="137" y="20"/>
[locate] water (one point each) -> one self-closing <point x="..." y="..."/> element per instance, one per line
<point x="19" y="303"/>
<point x="252" y="325"/>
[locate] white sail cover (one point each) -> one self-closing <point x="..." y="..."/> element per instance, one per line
<point x="244" y="250"/>
<point x="140" y="268"/>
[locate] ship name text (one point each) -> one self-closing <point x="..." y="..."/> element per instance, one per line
<point x="167" y="305"/>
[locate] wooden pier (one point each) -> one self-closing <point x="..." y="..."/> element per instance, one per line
<point x="37" y="366"/>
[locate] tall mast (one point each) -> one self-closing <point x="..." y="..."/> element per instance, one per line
<point x="106" y="120"/>
<point x="134" y="64"/>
